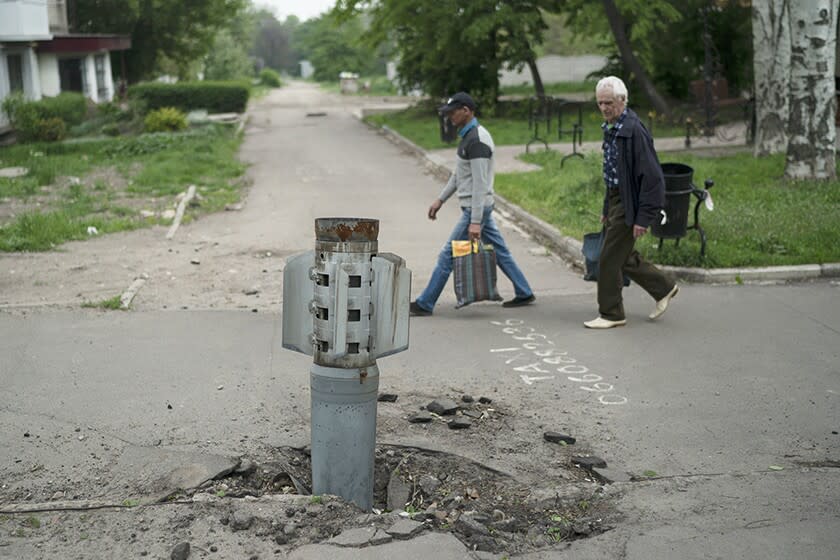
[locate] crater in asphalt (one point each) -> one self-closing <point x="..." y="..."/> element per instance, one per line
<point x="483" y="507"/>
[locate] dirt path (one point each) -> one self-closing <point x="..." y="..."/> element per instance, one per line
<point x="221" y="261"/>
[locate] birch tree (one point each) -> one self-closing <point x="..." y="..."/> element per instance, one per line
<point x="771" y="68"/>
<point x="811" y="150"/>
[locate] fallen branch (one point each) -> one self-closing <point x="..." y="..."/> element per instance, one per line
<point x="179" y="213"/>
<point x="128" y="296"/>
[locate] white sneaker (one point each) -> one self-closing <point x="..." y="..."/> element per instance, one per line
<point x="601" y="323"/>
<point x="662" y="304"/>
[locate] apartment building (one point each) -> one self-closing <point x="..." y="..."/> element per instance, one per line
<point x="40" y="57"/>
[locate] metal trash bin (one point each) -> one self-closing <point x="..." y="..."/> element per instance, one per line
<point x="678" y="189"/>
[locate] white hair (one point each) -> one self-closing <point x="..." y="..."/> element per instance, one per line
<point x="613" y="84"/>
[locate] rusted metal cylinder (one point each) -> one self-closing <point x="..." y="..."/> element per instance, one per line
<point x="344" y="248"/>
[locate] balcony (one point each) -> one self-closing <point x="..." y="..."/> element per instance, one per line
<point x="57" y="12"/>
<point x="24" y="20"/>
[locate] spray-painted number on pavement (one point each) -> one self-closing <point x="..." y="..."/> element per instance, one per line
<point x="536" y="358"/>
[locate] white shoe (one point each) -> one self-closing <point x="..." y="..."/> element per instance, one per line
<point x="662" y="304"/>
<point x="601" y="323"/>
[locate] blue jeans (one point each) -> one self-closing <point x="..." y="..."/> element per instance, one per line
<point x="491" y="235"/>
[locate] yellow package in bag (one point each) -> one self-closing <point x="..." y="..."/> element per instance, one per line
<point x="463" y="248"/>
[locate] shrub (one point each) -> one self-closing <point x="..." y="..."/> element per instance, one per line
<point x="45" y="120"/>
<point x="270" y="78"/>
<point x="68" y="106"/>
<point x="52" y="129"/>
<point x="108" y="109"/>
<point x="12" y="104"/>
<point x="165" y="119"/>
<point x="215" y="97"/>
<point x="24" y="118"/>
<point x="111" y="129"/>
<point x="31" y="127"/>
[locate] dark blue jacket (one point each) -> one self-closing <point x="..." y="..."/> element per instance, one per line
<point x="640" y="179"/>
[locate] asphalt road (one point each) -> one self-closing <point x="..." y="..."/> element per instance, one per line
<point x="729" y="405"/>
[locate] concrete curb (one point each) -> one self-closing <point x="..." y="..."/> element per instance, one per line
<point x="570" y="249"/>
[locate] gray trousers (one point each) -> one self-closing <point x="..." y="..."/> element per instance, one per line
<point x="618" y="257"/>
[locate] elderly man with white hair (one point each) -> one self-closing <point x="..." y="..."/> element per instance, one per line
<point x="634" y="198"/>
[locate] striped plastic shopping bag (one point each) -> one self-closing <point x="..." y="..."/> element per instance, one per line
<point x="474" y="266"/>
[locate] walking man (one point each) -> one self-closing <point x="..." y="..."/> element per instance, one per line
<point x="634" y="198"/>
<point x="472" y="181"/>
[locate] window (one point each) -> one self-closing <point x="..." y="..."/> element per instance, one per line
<point x="71" y="73"/>
<point x="14" y="62"/>
<point x="101" y="86"/>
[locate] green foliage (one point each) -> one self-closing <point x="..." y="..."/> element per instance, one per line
<point x="147" y="144"/>
<point x="334" y="46"/>
<point x="12" y="104"/>
<point x="749" y="195"/>
<point x="679" y="25"/>
<point x="215" y="97"/>
<point x="70" y="107"/>
<point x="181" y="31"/>
<point x="23" y="116"/>
<point x="51" y="129"/>
<point x="45" y="120"/>
<point x="507" y="122"/>
<point x="111" y="129"/>
<point x="153" y="166"/>
<point x="39" y="232"/>
<point x="562" y="39"/>
<point x="270" y="78"/>
<point x="445" y="46"/>
<point x="730" y="28"/>
<point x="228" y="59"/>
<point x="276" y="43"/>
<point x="165" y="119"/>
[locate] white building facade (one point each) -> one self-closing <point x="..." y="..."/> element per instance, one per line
<point x="39" y="56"/>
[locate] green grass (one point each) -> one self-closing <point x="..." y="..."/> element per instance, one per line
<point x="112" y="304"/>
<point x="153" y="165"/>
<point x="759" y="219"/>
<point x="420" y="125"/>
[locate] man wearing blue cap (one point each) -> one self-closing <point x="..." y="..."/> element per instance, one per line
<point x="472" y="181"/>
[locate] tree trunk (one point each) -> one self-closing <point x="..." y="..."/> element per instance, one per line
<point x="629" y="59"/>
<point x="811" y="152"/>
<point x="771" y="68"/>
<point x="539" y="88"/>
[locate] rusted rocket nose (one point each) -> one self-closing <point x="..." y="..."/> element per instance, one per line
<point x="346" y="229"/>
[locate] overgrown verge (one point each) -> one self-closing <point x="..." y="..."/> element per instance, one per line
<point x="759" y="219"/>
<point x="76" y="189"/>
